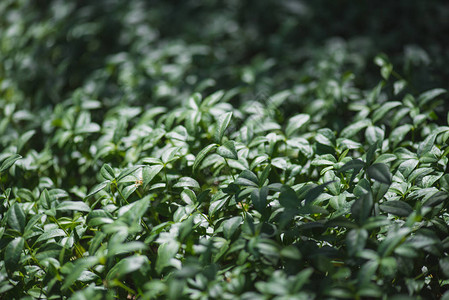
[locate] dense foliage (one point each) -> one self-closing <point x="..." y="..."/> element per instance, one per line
<point x="228" y="150"/>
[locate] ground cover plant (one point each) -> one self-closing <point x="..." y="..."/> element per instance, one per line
<point x="145" y="155"/>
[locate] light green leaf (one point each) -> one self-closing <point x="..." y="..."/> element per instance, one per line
<point x="98" y="188"/>
<point x="50" y="234"/>
<point x="295" y="123"/>
<point x="165" y="253"/>
<point x="187" y="182"/>
<point x="430" y="95"/>
<point x="129" y="265"/>
<point x="127" y="172"/>
<point x="107" y="172"/>
<point x="77" y="269"/>
<point x="9" y="161"/>
<point x="73" y="205"/>
<point x="384" y="109"/>
<point x="223" y="123"/>
<point x="230" y="226"/>
<point x="227" y="150"/>
<point x="202" y="155"/>
<point x="148" y="173"/>
<point x="354" y="128"/>
<point x="426" y="145"/>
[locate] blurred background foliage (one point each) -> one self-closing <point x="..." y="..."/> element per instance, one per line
<point x="150" y="51"/>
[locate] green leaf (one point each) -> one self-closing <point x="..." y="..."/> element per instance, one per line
<point x="202" y="155"/>
<point x="212" y="99"/>
<point x="195" y="101"/>
<point x="128" y="265"/>
<point x="122" y="248"/>
<point x="73" y="205"/>
<point x="247" y="178"/>
<point x="259" y="198"/>
<point x="188" y="196"/>
<point x="127" y="172"/>
<point x="170" y="155"/>
<point x="354" y="128"/>
<point x="398" y="208"/>
<point x="384" y="109"/>
<point x="133" y="212"/>
<point x="44" y="199"/>
<point x="77" y="269"/>
<point x="227" y="150"/>
<point x="12" y="254"/>
<point x="9" y="161"/>
<point x="148" y="173"/>
<point x="393" y="239"/>
<point x="107" y="172"/>
<point x="230" y="226"/>
<point x="218" y="204"/>
<point x="361" y="208"/>
<point x="98" y="188"/>
<point x="436" y="199"/>
<point x="430" y="95"/>
<point x="444" y="266"/>
<point x="355" y="164"/>
<point x="426" y="145"/>
<point x="223" y="123"/>
<point x="356" y="240"/>
<point x="50" y="234"/>
<point x="398" y="134"/>
<point x="295" y="123"/>
<point x="165" y="253"/>
<point x="187" y="182"/>
<point x="380" y="172"/>
<point x="288" y="197"/>
<point x="16" y="217"/>
<point x="313" y="193"/>
<point x="291" y="252"/>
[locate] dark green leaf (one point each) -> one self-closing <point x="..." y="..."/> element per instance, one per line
<point x="288" y="198"/>
<point x="380" y="172"/>
<point x="16" y="217"/>
<point x="361" y="208"/>
<point x="259" y="198"/>
<point x="356" y="240"/>
<point x="12" y="254"/>
<point x="398" y="208"/>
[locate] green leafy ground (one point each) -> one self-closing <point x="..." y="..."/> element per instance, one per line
<point x="142" y="162"/>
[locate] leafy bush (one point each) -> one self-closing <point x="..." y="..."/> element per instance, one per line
<point x="139" y="161"/>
